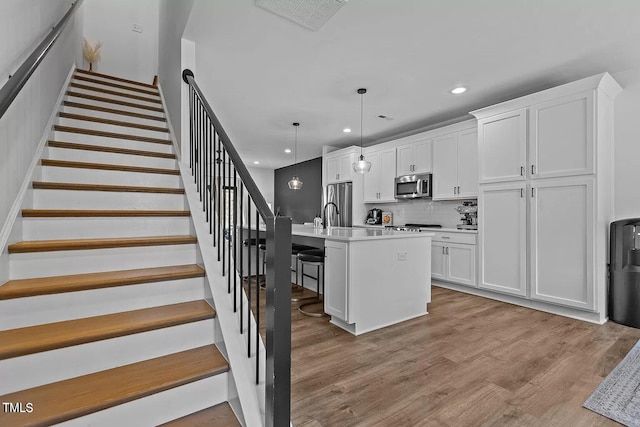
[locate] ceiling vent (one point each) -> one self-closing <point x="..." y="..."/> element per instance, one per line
<point x="311" y="14"/>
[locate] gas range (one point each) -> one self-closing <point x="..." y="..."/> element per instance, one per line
<point x="412" y="227"/>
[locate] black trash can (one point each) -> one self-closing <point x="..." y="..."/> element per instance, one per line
<point x="624" y="272"/>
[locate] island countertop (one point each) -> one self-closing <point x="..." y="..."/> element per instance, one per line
<point x="349" y="234"/>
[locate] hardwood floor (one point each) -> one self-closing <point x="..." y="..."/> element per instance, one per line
<point x="471" y="362"/>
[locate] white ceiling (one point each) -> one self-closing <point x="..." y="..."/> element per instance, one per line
<point x="261" y="72"/>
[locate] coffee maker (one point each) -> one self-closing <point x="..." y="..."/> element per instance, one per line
<point x="374" y="217"/>
<point x="468" y="216"/>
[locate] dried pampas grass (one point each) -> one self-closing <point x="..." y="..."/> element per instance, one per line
<point x="91" y="52"/>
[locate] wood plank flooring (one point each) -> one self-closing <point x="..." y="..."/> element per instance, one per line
<point x="471" y="362"/>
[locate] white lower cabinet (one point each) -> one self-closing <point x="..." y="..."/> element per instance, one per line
<point x="453" y="258"/>
<point x="336" y="298"/>
<point x="502" y="229"/>
<point x="558" y="253"/>
<point x="562" y="241"/>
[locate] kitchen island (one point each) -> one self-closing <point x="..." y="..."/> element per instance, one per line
<point x="373" y="277"/>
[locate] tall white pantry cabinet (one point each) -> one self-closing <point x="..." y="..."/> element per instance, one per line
<point x="546" y="196"/>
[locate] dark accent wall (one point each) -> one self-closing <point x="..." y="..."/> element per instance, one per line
<point x="301" y="205"/>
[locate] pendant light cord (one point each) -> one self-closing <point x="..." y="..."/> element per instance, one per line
<point x="361" y="119"/>
<point x="295" y="154"/>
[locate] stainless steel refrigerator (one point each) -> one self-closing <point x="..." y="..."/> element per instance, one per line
<point x="342" y="195"/>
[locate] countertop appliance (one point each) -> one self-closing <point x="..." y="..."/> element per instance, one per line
<point x="413" y="186"/>
<point x="374" y="217"/>
<point x="468" y="216"/>
<point x="342" y="195"/>
<point x="624" y="272"/>
<point x="413" y="227"/>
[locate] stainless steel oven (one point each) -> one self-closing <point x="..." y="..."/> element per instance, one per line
<point x="413" y="186"/>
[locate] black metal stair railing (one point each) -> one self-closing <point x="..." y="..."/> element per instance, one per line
<point x="227" y="191"/>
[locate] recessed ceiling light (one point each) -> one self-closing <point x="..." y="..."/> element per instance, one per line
<point x="256" y="162"/>
<point x="287" y="150"/>
<point x="458" y="90"/>
<point x="346" y="130"/>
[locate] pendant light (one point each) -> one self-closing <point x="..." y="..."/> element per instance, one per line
<point x="295" y="183"/>
<point x="361" y="166"/>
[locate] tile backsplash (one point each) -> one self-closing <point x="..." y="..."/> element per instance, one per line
<point x="421" y="211"/>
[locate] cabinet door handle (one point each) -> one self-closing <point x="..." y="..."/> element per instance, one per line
<point x="521" y="192"/>
<point x="458" y="189"/>
<point x="521" y="170"/>
<point x="533" y="169"/>
<point x="447" y="251"/>
<point x="454" y="190"/>
<point x="533" y="192"/>
<point x="443" y="250"/>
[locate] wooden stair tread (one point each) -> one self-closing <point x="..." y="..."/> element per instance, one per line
<point x="112" y="111"/>
<point x="107" y="166"/>
<point x="115" y="92"/>
<point x="104" y="187"/>
<point x="112" y="122"/>
<point x="93" y="132"/>
<point x="22" y="288"/>
<point x="116" y="85"/>
<point x="220" y="415"/>
<point x="83" y="213"/>
<point x="64" y="400"/>
<point x="106" y="149"/>
<point x="118" y="79"/>
<point x="114" y="101"/>
<point x="103" y="243"/>
<point x="51" y="336"/>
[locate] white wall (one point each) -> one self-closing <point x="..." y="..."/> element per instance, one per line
<point x="264" y="180"/>
<point x="125" y="53"/>
<point x="173" y="18"/>
<point x="627" y="146"/>
<point x="23" y="25"/>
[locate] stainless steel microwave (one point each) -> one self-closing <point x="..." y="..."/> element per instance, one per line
<point x="413" y="186"/>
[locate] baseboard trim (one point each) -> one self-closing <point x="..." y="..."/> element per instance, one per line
<point x="572" y="313"/>
<point x="14" y="212"/>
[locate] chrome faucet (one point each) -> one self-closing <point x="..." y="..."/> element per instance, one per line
<point x="324" y="211"/>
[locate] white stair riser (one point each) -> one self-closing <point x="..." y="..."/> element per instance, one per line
<point x="94" y="176"/>
<point x="111" y="158"/>
<point x="29" y="311"/>
<point x="114" y="105"/>
<point x="84" y="228"/>
<point x="160" y="407"/>
<point x="88" y="124"/>
<point x="68" y="199"/>
<point x="124" y="98"/>
<point x="33" y="370"/>
<point x="111" y="142"/>
<point x="113" y="116"/>
<point x="107" y="80"/>
<point x="60" y="263"/>
<point x="103" y="84"/>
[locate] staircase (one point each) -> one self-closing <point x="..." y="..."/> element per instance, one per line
<point x="105" y="320"/>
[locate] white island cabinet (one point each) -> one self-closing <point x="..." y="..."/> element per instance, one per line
<point x="373" y="277"/>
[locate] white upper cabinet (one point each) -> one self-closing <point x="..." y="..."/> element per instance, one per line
<point x="468" y="164"/>
<point x="445" y="167"/>
<point x="561" y="137"/>
<point x="455" y="165"/>
<point x="339" y="167"/>
<point x="502" y="142"/>
<point x="414" y="158"/>
<point x="379" y="181"/>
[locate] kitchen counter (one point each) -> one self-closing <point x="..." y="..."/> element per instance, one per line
<point x="349" y="234"/>
<point x="435" y="230"/>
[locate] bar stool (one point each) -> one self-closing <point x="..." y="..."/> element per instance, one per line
<point x="312" y="257"/>
<point x="295" y="248"/>
<point x="253" y="242"/>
